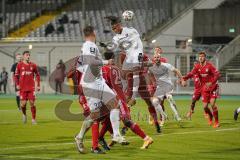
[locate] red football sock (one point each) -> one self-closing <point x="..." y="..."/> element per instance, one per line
<point x="153" y="113"/>
<point x="215" y="113"/>
<point x="106" y="126"/>
<point x="33" y="110"/>
<point x="129" y="85"/>
<point x="24" y="110"/>
<point x="137" y="130"/>
<point x="95" y="134"/>
<point x="207" y="110"/>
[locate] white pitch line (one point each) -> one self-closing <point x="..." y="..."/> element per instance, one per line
<point x="132" y="137"/>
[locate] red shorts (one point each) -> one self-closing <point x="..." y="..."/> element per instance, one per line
<point x="196" y="95"/>
<point x="27" y="95"/>
<point x="210" y="94"/>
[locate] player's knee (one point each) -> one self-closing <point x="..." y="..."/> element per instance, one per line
<point x="32" y="103"/>
<point x="127" y="123"/>
<point x="154" y="100"/>
<point x="23" y="104"/>
<point x="169" y="96"/>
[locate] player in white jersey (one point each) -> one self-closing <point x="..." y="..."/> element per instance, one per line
<point x="128" y="40"/>
<point x="160" y="75"/>
<point x="95" y="89"/>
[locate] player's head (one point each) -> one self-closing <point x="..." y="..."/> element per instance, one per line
<point x="89" y="33"/>
<point x="202" y="56"/>
<point x="157" y="58"/>
<point x="158" y="50"/>
<point x="18" y="57"/>
<point x="108" y="55"/>
<point x="26" y="56"/>
<point x="115" y="24"/>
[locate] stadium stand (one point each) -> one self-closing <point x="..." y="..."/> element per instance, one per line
<point x="21" y="12"/>
<point x="147" y="16"/>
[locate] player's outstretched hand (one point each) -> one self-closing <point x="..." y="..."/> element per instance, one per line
<point x="183" y="83"/>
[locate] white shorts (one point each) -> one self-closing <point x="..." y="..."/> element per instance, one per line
<point x="96" y="93"/>
<point x="163" y="89"/>
<point x="130" y="62"/>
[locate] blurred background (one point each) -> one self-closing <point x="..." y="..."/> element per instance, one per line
<point x="52" y="31"/>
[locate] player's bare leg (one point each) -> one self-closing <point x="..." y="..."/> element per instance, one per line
<point x="215" y="112"/>
<point x="24" y="108"/>
<point x="33" y="111"/>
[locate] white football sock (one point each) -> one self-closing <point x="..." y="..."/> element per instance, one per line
<point x="115" y="121"/>
<point x="87" y="123"/>
<point x="238" y="110"/>
<point x="173" y="106"/>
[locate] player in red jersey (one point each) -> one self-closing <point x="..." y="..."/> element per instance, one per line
<point x="144" y="90"/>
<point x="25" y="73"/>
<point x="196" y="93"/>
<point x="208" y="75"/>
<point x="112" y="76"/>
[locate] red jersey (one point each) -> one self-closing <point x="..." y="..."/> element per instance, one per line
<point x="112" y="76"/>
<point x="196" y="80"/>
<point x="206" y="73"/>
<point x="27" y="73"/>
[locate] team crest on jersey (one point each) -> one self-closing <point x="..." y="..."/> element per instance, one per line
<point x="206" y="69"/>
<point x="199" y="70"/>
<point x="31" y="68"/>
<point x="22" y="68"/>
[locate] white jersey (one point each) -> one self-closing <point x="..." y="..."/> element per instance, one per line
<point x="129" y="40"/>
<point x="90" y="62"/>
<point x="162" y="72"/>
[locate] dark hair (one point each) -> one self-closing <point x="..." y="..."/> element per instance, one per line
<point x="202" y="53"/>
<point x="108" y="55"/>
<point x="26" y="52"/>
<point x="88" y="31"/>
<point x="113" y="19"/>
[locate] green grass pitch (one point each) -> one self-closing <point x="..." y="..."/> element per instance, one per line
<point x="52" y="138"/>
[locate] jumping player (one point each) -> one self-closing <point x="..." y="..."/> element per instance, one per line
<point x="25" y="73"/>
<point x="128" y="40"/>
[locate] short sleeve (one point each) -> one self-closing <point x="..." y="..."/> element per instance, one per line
<point x="169" y="66"/>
